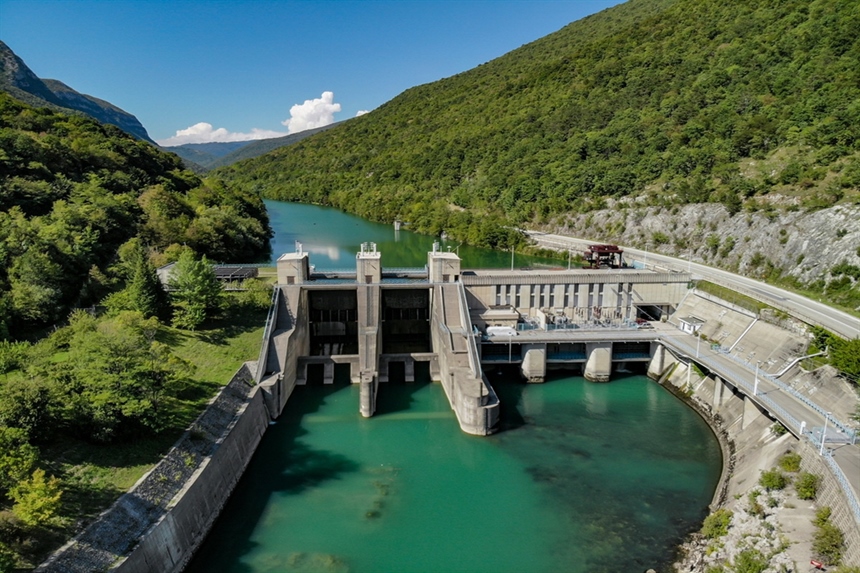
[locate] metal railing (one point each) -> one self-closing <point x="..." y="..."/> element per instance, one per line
<point x="853" y="502"/>
<point x="786" y="388"/>
<point x="787" y="419"/>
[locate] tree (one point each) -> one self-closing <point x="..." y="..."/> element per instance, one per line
<point x="196" y="293"/>
<point x="143" y="291"/>
<point x="116" y="376"/>
<point x="17" y="457"/>
<point x="37" y="499"/>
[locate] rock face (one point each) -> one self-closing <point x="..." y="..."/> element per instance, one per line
<point x="21" y="83"/>
<point x="802" y="244"/>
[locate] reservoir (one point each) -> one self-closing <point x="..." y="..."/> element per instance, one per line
<point x="582" y="477"/>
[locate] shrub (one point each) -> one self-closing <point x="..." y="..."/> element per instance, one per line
<point x="7" y="559"/>
<point x="778" y="429"/>
<point x="37" y="499"/>
<point x="755" y="508"/>
<point x="717" y="524"/>
<point x="790" y="462"/>
<point x="828" y="543"/>
<point x="822" y="516"/>
<point x="750" y="561"/>
<point x="807" y="485"/>
<point x="772" y="480"/>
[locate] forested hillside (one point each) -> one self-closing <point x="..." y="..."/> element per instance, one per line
<point x="73" y="191"/>
<point x="673" y="101"/>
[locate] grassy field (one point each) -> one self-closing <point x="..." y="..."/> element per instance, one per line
<point x="93" y="476"/>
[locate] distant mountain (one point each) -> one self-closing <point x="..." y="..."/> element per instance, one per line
<point x="20" y="82"/>
<point x="262" y="146"/>
<point x="204" y="154"/>
<point x="219" y="154"/>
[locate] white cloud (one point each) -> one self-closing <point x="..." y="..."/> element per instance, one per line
<point x="204" y="133"/>
<point x="313" y="113"/>
<point x="361" y="112"/>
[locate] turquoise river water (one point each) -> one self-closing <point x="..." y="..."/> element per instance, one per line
<point x="583" y="477"/>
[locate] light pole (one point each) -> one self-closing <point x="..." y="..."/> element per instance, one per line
<point x="823" y="434"/>
<point x="755" y="388"/>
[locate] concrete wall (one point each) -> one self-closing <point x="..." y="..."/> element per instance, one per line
<point x="830" y="494"/>
<point x="289" y="341"/>
<point x="171" y="542"/>
<point x="159" y="523"/>
<point x="471" y="397"/>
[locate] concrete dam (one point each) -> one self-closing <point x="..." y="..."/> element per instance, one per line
<point x="462" y="323"/>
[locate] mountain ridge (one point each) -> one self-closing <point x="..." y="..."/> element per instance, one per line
<point x="213" y="155"/>
<point x="672" y="101"/>
<point x="19" y="81"/>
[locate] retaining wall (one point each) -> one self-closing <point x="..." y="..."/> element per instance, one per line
<point x="160" y="522"/>
<point x="830" y="494"/>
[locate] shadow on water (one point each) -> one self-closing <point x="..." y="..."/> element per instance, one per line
<point x="509" y="387"/>
<point x="397" y="395"/>
<point x="281" y="465"/>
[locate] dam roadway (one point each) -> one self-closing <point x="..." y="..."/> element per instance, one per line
<point x="805" y="309"/>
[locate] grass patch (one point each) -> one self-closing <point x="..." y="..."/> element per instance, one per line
<point x="92" y="475"/>
<point x="731" y="296"/>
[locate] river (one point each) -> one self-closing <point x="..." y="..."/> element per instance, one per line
<point x="582" y="478"/>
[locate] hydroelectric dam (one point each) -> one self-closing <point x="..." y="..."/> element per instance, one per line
<point x="376" y="320"/>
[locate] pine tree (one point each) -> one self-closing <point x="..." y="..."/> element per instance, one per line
<point x="196" y="293"/>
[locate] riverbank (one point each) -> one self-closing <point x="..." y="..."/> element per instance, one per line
<point x="774" y="526"/>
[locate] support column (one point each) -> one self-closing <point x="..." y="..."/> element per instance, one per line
<point x="328" y="372"/>
<point x="534" y="362"/>
<point x="409" y="370"/>
<point x="719" y="390"/>
<point x="657" y="366"/>
<point x="369" y="386"/>
<point x="598" y="367"/>
<point x="751" y="413"/>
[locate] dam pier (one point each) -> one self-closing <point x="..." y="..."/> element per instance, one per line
<point x="463" y="323"/>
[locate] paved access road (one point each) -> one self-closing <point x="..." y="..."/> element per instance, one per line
<point x="803" y="308"/>
<point x="796" y="412"/>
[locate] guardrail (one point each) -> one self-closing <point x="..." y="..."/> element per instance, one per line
<point x="853" y="502"/>
<point x="786" y="388"/>
<point x="787" y="419"/>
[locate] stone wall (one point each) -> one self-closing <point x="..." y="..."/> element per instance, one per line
<point x="157" y="525"/>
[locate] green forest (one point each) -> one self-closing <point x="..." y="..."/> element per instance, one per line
<point x="73" y="191"/>
<point x="665" y="99"/>
<point x="101" y="368"/>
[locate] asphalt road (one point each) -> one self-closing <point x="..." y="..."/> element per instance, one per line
<point x="800" y="307"/>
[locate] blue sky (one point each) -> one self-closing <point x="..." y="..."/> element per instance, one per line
<point x="253" y="68"/>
